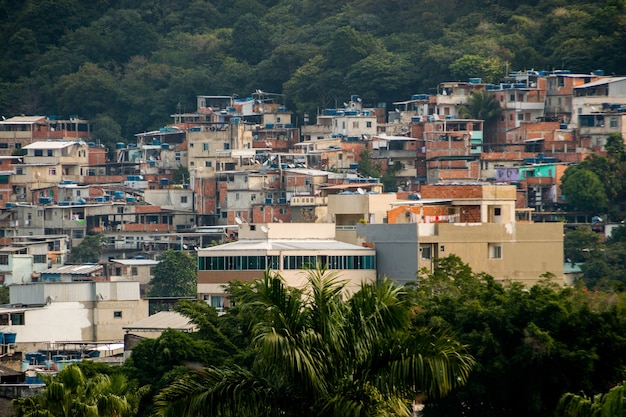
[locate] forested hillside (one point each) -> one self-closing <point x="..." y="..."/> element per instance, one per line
<point x="128" y="64"/>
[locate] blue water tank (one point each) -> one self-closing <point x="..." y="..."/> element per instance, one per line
<point x="131" y="199"/>
<point x="164" y="181"/>
<point x="118" y="194"/>
<point x="9" y="338"/>
<point x="120" y="145"/>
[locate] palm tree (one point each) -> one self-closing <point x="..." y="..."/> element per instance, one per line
<point x="481" y="106"/>
<point x="71" y="394"/>
<point x="319" y="353"/>
<point x="611" y="404"/>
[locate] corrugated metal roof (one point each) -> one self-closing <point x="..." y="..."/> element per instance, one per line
<point x="74" y="269"/>
<point x="162" y="320"/>
<point x="22" y="120"/>
<point x="56" y="144"/>
<point x="601" y="82"/>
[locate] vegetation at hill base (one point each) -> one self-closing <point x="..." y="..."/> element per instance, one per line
<point x="459" y="342"/>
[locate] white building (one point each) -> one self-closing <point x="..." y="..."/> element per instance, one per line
<point x="286" y="248"/>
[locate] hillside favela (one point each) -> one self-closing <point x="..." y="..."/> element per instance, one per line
<point x="290" y="208"/>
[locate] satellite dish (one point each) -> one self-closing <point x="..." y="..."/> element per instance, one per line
<point x="238" y="220"/>
<point x="360" y="191"/>
<point x="264" y="229"/>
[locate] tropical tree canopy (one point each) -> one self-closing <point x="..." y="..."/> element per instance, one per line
<point x="481" y="106"/>
<point x="174" y="276"/>
<point x="611" y="404"/>
<point x="71" y="394"/>
<point x="88" y="251"/>
<point x="321" y="353"/>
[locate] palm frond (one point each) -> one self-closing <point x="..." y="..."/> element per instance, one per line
<point x="214" y="392"/>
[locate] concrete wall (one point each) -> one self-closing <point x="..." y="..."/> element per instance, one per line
<point x="396" y="249"/>
<point x="76" y="321"/>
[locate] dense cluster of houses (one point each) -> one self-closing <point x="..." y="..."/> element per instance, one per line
<point x="287" y="196"/>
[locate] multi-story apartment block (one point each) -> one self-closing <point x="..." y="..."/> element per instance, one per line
<point x="448" y="149"/>
<point x="560" y="85"/>
<point x="48" y="164"/>
<point x="75" y="312"/>
<point x="520" y="103"/>
<point x="17" y="132"/>
<point x="451" y="95"/>
<point x="476" y="222"/>
<point x="352" y="123"/>
<point x="599" y="108"/>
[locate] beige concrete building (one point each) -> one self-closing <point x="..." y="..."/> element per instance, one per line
<point x="49" y="313"/>
<point x="286" y="248"/>
<point x="49" y="163"/>
<point x="352" y="204"/>
<point x="476" y="222"/>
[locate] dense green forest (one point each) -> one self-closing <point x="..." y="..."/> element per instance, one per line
<point x="127" y="65"/>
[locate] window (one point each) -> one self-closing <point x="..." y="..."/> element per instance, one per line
<point x="133" y="271"/>
<point x="497" y="211"/>
<point x="40" y="259"/>
<point x="426" y="252"/>
<point x="205" y="147"/>
<point x="4" y="259"/>
<point x="495" y="251"/>
<point x="183" y="199"/>
<point x="208" y="164"/>
<point x="217" y="302"/>
<point x="613" y="122"/>
<point x="117" y="314"/>
<point x="368" y="124"/>
<point x="512" y="97"/>
<point x="50" y="152"/>
<point x="19" y="171"/>
<point x="52" y="171"/>
<point x="520" y="116"/>
<point x="17" y="319"/>
<point x="355" y="124"/>
<point x="4" y="146"/>
<point x="38" y="152"/>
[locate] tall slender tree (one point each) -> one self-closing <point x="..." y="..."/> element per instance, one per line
<point x="319" y="353"/>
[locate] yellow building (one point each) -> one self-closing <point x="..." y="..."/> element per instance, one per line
<point x="476" y="222"/>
